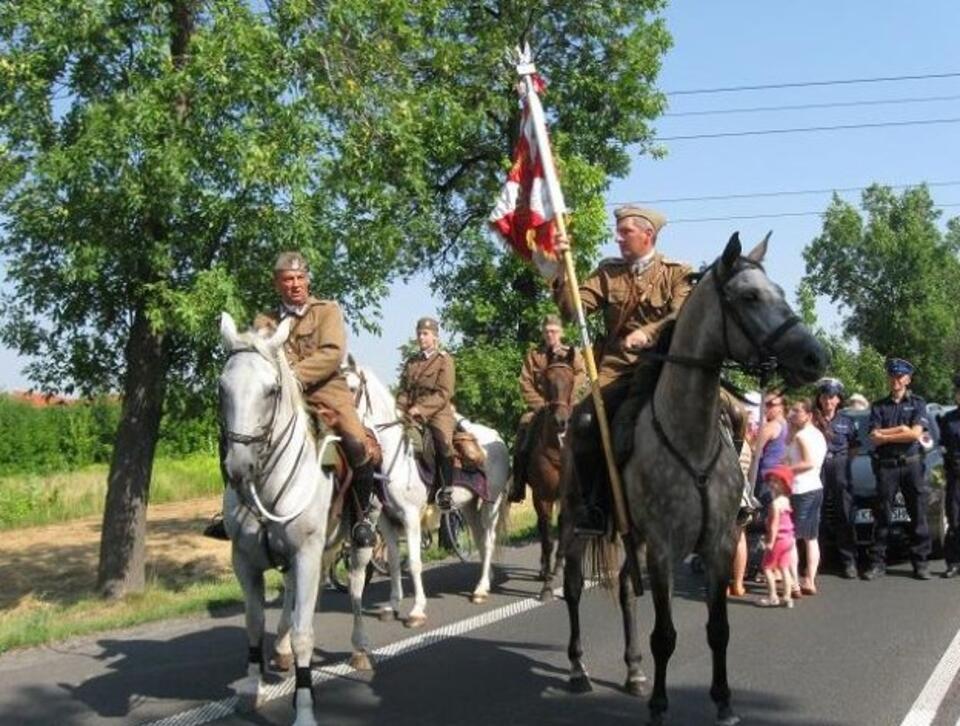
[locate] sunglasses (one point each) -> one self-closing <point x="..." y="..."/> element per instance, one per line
<point x="770" y="404"/>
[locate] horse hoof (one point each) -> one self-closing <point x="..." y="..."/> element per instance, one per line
<point x="415" y="621"/>
<point x="478" y="598"/>
<point x="726" y="717"/>
<point x="281" y="662"/>
<point x="361" y="662"/>
<point x="636" y="686"/>
<point x="250" y="696"/>
<point x="546" y="595"/>
<point x="581" y="684"/>
<point x="386" y="615"/>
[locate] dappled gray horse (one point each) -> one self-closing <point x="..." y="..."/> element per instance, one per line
<point x="276" y="505"/>
<point x="683" y="481"/>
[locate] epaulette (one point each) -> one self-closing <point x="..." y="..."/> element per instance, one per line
<point x="607" y="261"/>
<point x="673" y="263"/>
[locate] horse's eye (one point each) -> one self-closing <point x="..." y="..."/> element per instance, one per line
<point x="751" y="296"/>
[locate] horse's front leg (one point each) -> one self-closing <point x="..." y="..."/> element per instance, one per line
<point x="544" y="512"/>
<point x="250" y="689"/>
<point x="636" y="679"/>
<point x="546" y="592"/>
<point x="572" y="591"/>
<point x="417" y="617"/>
<point x="359" y="559"/>
<point x="282" y="659"/>
<point x="307" y="573"/>
<point x="663" y="639"/>
<point x="717" y="561"/>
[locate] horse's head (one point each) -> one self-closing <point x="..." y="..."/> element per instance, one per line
<point x="250" y="392"/>
<point x="759" y="328"/>
<point x="559" y="380"/>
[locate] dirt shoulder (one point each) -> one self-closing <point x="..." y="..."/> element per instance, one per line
<point x="57" y="564"/>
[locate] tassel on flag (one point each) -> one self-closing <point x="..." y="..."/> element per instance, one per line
<point x="524" y="215"/>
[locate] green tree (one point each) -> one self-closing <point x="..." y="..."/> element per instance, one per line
<point x="894" y="277"/>
<point x="156" y="155"/>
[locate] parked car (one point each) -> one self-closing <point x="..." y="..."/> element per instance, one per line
<point x="865" y="492"/>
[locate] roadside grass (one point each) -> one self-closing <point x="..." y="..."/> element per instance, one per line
<point x="31" y="500"/>
<point x="35" y="622"/>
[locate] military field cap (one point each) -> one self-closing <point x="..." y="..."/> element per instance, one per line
<point x="651" y="215"/>
<point x="551" y="319"/>
<point x="428" y="324"/>
<point x="899" y="367"/>
<point x="290" y="261"/>
<point x="830" y="387"/>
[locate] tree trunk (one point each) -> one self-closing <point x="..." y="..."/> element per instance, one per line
<point x="122" y="567"/>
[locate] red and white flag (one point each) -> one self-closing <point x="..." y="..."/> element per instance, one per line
<point x="524" y="215"/>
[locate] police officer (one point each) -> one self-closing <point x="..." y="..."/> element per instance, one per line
<point x="426" y="392"/>
<point x="841" y="435"/>
<point x="533" y="390"/>
<point x="637" y="294"/>
<point x="950" y="440"/>
<point x="315" y="347"/>
<point x="896" y="427"/>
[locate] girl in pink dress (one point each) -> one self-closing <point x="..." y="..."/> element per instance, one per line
<point x="779" y="541"/>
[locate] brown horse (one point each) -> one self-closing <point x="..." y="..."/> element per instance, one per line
<point x="543" y="466"/>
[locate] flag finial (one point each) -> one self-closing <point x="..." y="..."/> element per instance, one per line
<point x="525" y="66"/>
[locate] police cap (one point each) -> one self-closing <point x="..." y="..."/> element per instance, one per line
<point x="428" y="324"/>
<point x="829" y="387"/>
<point x="651" y="215"/>
<point x="290" y="261"/>
<point x="899" y="367"/>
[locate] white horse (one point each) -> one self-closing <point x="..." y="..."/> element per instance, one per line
<point x="276" y="506"/>
<point x="406" y="494"/>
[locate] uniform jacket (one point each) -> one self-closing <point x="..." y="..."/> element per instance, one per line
<point x="317" y="341"/>
<point x="428" y="384"/>
<point x="886" y="413"/>
<point x="533" y="381"/>
<point x="615" y="289"/>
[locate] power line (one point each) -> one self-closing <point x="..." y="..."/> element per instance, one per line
<point x="808" y="106"/>
<point x="776" y="215"/>
<point x="807" y="84"/>
<point x="780" y="193"/>
<point x="804" y="129"/>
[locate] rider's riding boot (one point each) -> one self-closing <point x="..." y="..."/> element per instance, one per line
<point x="216" y="529"/>
<point x="445" y="490"/>
<point x="518" y="489"/>
<point x="363" y="533"/>
<point x="589" y="518"/>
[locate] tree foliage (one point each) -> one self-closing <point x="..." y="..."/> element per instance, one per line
<point x="894" y="275"/>
<point x="157" y="154"/>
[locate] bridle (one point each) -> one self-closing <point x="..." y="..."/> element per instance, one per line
<point x="269" y="448"/>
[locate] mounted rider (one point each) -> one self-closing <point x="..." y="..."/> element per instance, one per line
<point x="425" y="395"/>
<point x="315" y="349"/>
<point x="533" y="389"/>
<point x="638" y="294"/>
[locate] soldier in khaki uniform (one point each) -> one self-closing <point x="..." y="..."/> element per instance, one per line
<point x="533" y="390"/>
<point x="637" y="294"/>
<point x="315" y="348"/>
<point x="426" y="392"/>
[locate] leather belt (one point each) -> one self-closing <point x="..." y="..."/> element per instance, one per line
<point x="890" y="462"/>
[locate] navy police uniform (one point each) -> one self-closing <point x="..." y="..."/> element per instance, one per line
<point x="900" y="466"/>
<point x="835" y="474"/>
<point x="950" y="439"/>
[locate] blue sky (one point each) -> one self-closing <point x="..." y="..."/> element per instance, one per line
<point x="753" y="43"/>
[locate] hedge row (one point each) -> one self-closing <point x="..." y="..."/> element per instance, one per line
<point x="61" y="438"/>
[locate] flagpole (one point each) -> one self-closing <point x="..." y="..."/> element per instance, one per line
<point x="526" y="69"/>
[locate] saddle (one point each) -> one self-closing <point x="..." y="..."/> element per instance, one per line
<point x="468" y="460"/>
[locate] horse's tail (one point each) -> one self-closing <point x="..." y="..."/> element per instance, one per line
<point x="503" y="518"/>
<point x="602" y="561"/>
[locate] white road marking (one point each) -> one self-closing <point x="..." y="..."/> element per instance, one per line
<point x="226" y="707"/>
<point x="924" y="709"/>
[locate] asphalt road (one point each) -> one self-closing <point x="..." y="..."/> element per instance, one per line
<point x="857" y="653"/>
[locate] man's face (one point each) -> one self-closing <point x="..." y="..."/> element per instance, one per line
<point x="426" y="339"/>
<point x="552" y="336"/>
<point x="293" y="286"/>
<point x="898" y="384"/>
<point x="635" y="238"/>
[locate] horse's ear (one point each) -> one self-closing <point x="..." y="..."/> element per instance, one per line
<point x="228" y="330"/>
<point x="281" y="334"/>
<point x="759" y="252"/>
<point x="731" y="252"/>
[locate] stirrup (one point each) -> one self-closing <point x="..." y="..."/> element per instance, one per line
<point x="445" y="498"/>
<point x="216" y="529"/>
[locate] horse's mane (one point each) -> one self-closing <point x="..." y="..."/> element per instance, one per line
<point x="379" y="393"/>
<point x="289" y="388"/>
